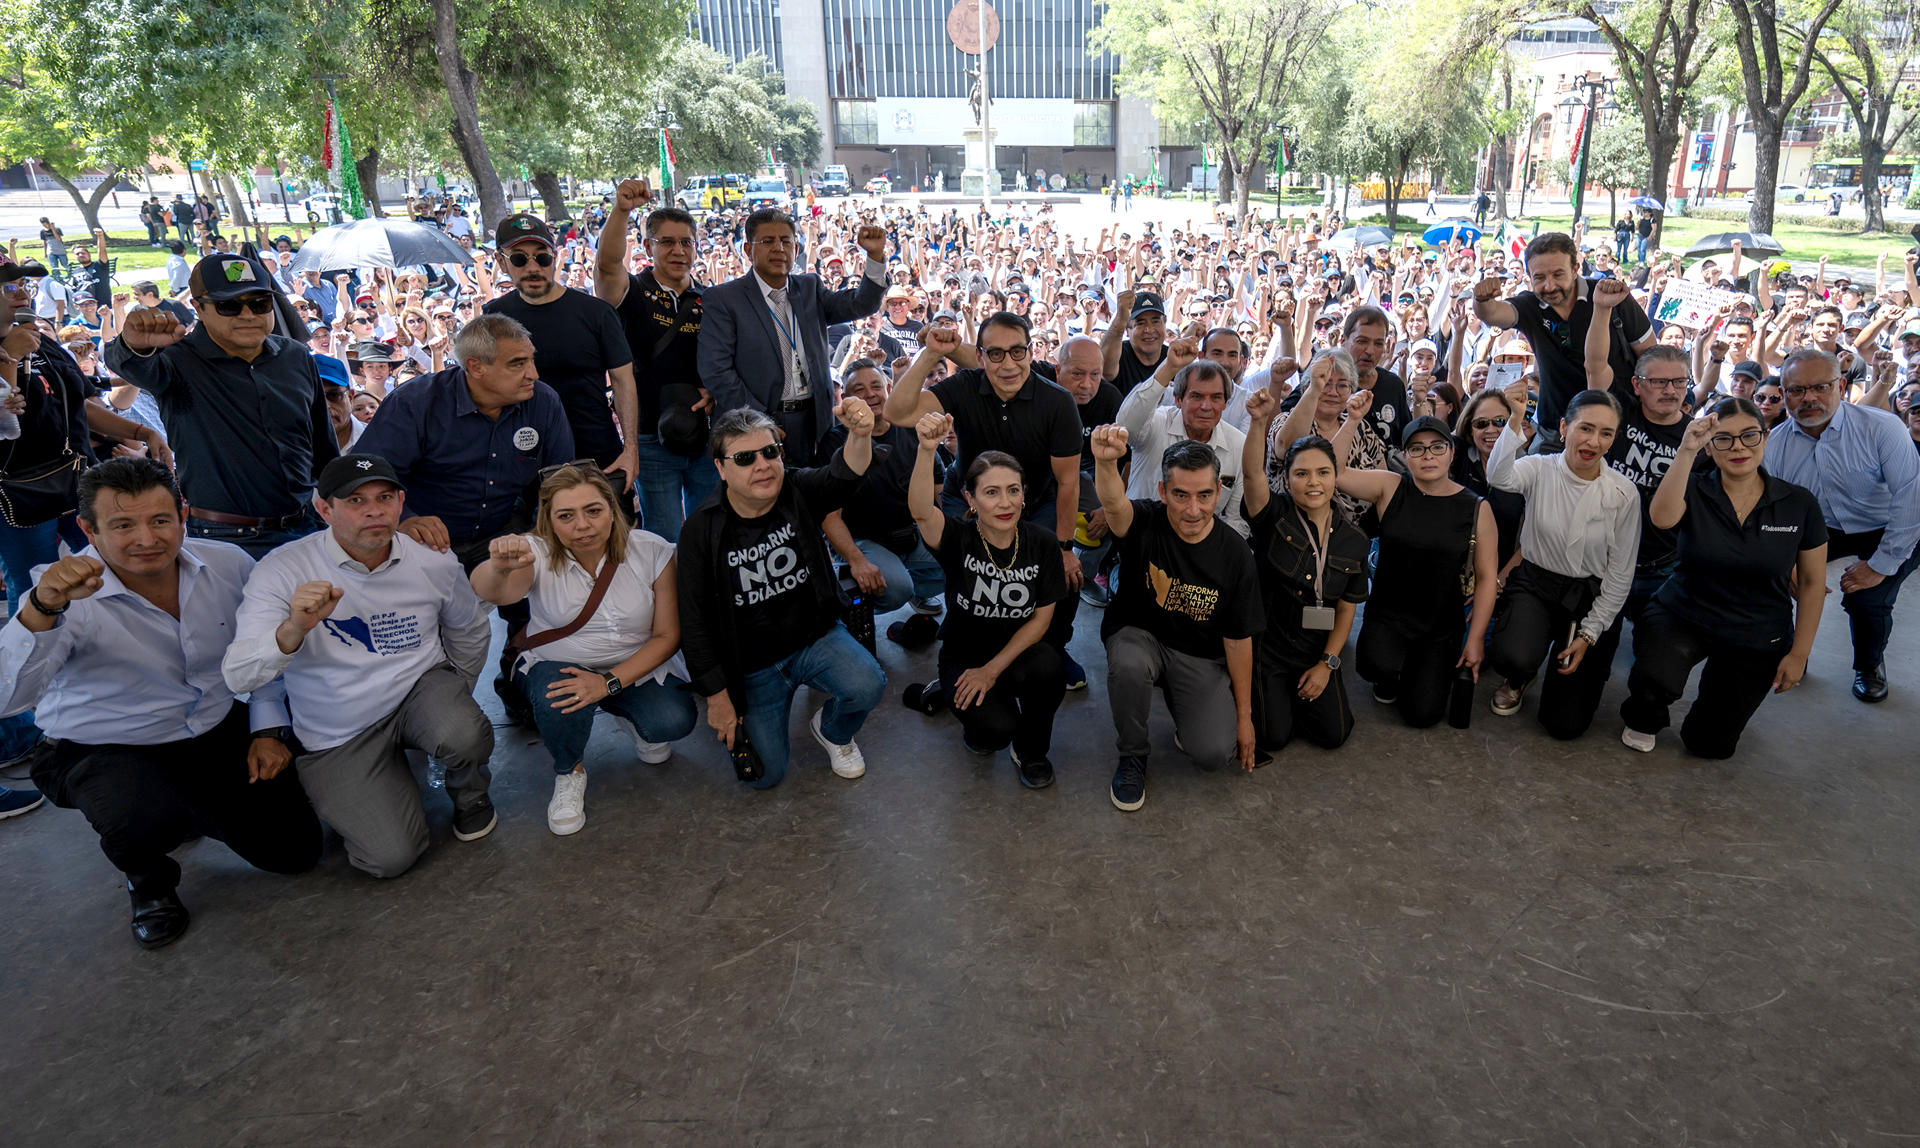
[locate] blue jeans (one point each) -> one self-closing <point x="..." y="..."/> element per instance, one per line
<point x="1640" y="255"/>
<point x="256" y="541"/>
<point x="916" y="574"/>
<point x="671" y="485"/>
<point x="24" y="547"/>
<point x="661" y="711"/>
<point x="837" y="666"/>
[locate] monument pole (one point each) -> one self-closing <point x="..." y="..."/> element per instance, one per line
<point x="986" y="114"/>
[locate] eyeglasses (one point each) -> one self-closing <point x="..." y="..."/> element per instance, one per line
<point x="1679" y="384"/>
<point x="360" y="319"/>
<point x="1482" y="424"/>
<point x="1423" y="449"/>
<point x="521" y="258"/>
<point x="769" y="452"/>
<point x="1019" y="352"/>
<point x="258" y="304"/>
<point x="1766" y="400"/>
<point x="1820" y="390"/>
<point x="546" y="472"/>
<point x="1752" y="436"/>
<point x="661" y="241"/>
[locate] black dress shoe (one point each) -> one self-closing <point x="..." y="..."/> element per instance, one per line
<point x="1870" y="685"/>
<point x="157" y="920"/>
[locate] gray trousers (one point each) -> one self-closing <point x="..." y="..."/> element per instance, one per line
<point x="365" y="790"/>
<point x="1198" y="691"/>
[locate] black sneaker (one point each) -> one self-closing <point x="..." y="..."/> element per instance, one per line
<point x="1129" y="790"/>
<point x="475" y="821"/>
<point x="929" y="699"/>
<point x="1076" y="673"/>
<point x="1035" y="774"/>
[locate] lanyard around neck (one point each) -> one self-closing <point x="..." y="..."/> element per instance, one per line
<point x="1319" y="556"/>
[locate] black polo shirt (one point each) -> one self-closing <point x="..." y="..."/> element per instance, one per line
<point x="247" y="438"/>
<point x="577" y="339"/>
<point x="1559" y="347"/>
<point x="1736" y="579"/>
<point x="1039" y="424"/>
<point x="1643" y="450"/>
<point x="663" y="334"/>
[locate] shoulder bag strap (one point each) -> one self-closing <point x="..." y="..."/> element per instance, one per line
<point x="525" y="641"/>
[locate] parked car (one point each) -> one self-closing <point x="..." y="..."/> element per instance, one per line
<point x="1785" y="193"/>
<point x="321" y="208"/>
<point x="710" y="192"/>
<point x="834" y="180"/>
<point x="766" y="193"/>
<point x="879" y="185"/>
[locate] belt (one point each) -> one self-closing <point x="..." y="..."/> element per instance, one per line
<point x="224" y="519"/>
<point x="789" y="406"/>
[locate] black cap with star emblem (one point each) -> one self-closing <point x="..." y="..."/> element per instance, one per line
<point x="350" y="472"/>
<point x="519" y="226"/>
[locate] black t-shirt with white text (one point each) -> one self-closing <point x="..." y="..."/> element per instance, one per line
<point x="991" y="593"/>
<point x="577" y="339"/>
<point x="1189" y="595"/>
<point x="1642" y="451"/>
<point x="768" y="575"/>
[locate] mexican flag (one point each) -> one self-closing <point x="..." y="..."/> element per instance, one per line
<point x="1282" y="159"/>
<point x="666" y="159"/>
<point x="336" y="155"/>
<point x="1579" y="177"/>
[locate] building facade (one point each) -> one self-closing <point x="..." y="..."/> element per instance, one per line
<point x="892" y="88"/>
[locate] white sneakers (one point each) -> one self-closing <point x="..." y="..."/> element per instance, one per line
<point x="567" y="812"/>
<point x="1634" y="739"/>
<point x="846" y="759"/>
<point x="651" y="752"/>
<point x="1506" y="700"/>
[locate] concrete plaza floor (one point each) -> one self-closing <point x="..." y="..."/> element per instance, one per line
<point x="1441" y="937"/>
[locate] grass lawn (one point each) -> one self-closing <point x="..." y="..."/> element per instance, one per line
<point x="1804" y="245"/>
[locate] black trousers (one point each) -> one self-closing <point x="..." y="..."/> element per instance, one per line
<point x="1536" y="610"/>
<point x="1735" y="681"/>
<point x="1019" y="709"/>
<point x="1280" y="714"/>
<point x="1414" y="668"/>
<point x="146" y="800"/>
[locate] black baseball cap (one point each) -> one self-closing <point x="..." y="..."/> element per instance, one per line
<point x="1750" y="369"/>
<point x="350" y="472"/>
<point x="12" y="272"/>
<point x="1432" y="423"/>
<point x="226" y="276"/>
<point x="522" y="225"/>
<point x="1147" y="302"/>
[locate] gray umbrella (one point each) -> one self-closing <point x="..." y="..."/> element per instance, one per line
<point x="378" y="243"/>
<point x="1359" y="237"/>
<point x="1754" y="243"/>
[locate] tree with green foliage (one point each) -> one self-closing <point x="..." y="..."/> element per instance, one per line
<point x="1776" y="41"/>
<point x="1617" y="160"/>
<point x="1866" y="53"/>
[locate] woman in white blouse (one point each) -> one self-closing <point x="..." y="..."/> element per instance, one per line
<point x="624" y="659"/>
<point x="1578" y="544"/>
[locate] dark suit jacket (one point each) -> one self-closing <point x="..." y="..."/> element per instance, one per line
<point x="742" y="353"/>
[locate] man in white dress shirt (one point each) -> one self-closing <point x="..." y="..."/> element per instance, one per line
<point x="117" y="650"/>
<point x="1201" y="389"/>
<point x="380" y="640"/>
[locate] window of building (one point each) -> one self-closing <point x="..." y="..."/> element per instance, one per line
<point x="1092" y="124"/>
<point x="856" y="122"/>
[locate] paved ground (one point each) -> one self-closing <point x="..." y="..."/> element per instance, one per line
<point x="1444" y="937"/>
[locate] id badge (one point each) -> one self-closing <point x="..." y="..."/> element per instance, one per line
<point x="1316" y="617"/>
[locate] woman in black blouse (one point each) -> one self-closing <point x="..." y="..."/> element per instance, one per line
<point x="1003" y="577"/>
<point x="1482" y="418"/>
<point x="1746" y="596"/>
<point x="1313" y="572"/>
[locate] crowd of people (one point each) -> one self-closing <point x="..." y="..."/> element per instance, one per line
<point x="257" y="523"/>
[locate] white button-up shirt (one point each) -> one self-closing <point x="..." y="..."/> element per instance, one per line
<point x="115" y="668"/>
<point x="621" y="624"/>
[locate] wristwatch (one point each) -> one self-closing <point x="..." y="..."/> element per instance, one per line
<point x="613" y="682"/>
<point x="1332" y="661"/>
<point x="1066" y="544"/>
<point x="283" y="733"/>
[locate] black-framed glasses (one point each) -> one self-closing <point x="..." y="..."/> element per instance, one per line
<point x="1496" y="421"/>
<point x="1818" y="390"/>
<point x="1750" y="437"/>
<point x="1766" y="400"/>
<point x="1019" y="351"/>
<point x="258" y="304"/>
<point x="521" y="258"/>
<point x="769" y="452"/>
<point x="1679" y="384"/>
<point x="361" y="319"/>
<point x="1424" y="449"/>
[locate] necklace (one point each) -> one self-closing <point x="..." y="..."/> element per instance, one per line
<point x="1012" y="557"/>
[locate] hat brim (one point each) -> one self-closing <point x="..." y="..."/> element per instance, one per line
<point x="360" y="480"/>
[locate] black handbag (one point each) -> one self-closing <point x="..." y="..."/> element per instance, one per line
<point x="44" y="492"/>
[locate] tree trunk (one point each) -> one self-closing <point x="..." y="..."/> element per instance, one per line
<point x="552" y="194"/>
<point x="1766" y="174"/>
<point x="1662" y="144"/>
<point x="465" y="128"/>
<point x="1613" y="206"/>
<point x="1872" y="155"/>
<point x="89" y="205"/>
<point x="242" y="218"/>
<point x="367" y="170"/>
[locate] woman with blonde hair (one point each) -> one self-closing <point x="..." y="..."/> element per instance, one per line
<point x="605" y="632"/>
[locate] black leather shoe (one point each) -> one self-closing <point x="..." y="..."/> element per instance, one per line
<point x="1870" y="685"/>
<point x="157" y="920"/>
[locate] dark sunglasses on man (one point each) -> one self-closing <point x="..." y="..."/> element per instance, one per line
<point x="258" y="304"/>
<point x="745" y="458"/>
<point x="520" y="258"/>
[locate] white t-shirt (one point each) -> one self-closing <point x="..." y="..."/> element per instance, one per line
<point x="622" y="623"/>
<point x="458" y="225"/>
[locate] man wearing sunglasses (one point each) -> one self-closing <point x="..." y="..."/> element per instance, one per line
<point x="1860" y="463"/>
<point x="243" y="406"/>
<point x="580" y="347"/>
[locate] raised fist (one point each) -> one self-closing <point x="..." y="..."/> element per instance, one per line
<point x="933" y="429"/>
<point x="631" y="194"/>
<point x="512" y="551"/>
<point x="942" y="341"/>
<point x="873" y="240"/>
<point x="69" y="580"/>
<point x="151" y="329"/>
<point x="855" y="415"/>
<point x="1699" y="431"/>
<point x="1261" y="404"/>
<point x="1487" y="290"/>
<point x="1359" y="404"/>
<point x="1608" y="293"/>
<point x="1182" y="351"/>
<point x="1109" y="443"/>
<point x="312" y="602"/>
<point x="1516" y="400"/>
